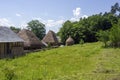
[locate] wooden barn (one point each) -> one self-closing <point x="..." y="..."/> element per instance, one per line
<point x="31" y="41"/>
<point x="10" y="44"/>
<point x="51" y="38"/>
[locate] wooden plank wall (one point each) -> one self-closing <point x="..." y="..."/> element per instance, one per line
<point x="15" y="49"/>
<point x="2" y="50"/>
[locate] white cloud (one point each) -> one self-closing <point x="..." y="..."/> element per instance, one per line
<point x="50" y="22"/>
<point x="60" y="21"/>
<point x="36" y="18"/>
<point x="74" y="19"/>
<point x="84" y="16"/>
<point x="53" y="23"/>
<point x="5" y="22"/>
<point x="40" y="19"/>
<point x="24" y="25"/>
<point x="77" y="12"/>
<point x="18" y="15"/>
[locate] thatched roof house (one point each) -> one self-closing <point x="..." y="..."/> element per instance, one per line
<point x="69" y="41"/>
<point x="30" y="39"/>
<point x="51" y="38"/>
<point x="10" y="44"/>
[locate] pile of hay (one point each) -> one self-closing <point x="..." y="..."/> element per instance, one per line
<point x="51" y="38"/>
<point x="30" y="39"/>
<point x="69" y="41"/>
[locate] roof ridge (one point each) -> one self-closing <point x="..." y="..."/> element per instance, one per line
<point x="26" y="31"/>
<point x="50" y="37"/>
<point x="7" y="35"/>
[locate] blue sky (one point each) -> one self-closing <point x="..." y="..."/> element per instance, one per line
<point x="50" y="12"/>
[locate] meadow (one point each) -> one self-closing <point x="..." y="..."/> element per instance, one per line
<point x="90" y="61"/>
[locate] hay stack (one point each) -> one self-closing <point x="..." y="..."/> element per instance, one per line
<point x="69" y="41"/>
<point x="30" y="39"/>
<point x="51" y="38"/>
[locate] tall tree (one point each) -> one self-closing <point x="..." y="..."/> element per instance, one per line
<point x="37" y="27"/>
<point x="87" y="28"/>
<point x="115" y="8"/>
<point x="65" y="31"/>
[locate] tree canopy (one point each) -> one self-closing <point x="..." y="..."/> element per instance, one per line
<point x="15" y="29"/>
<point x="37" y="28"/>
<point x="86" y="28"/>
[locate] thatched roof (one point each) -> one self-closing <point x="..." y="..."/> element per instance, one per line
<point x="7" y="35"/>
<point x="70" y="41"/>
<point x="30" y="39"/>
<point x="51" y="38"/>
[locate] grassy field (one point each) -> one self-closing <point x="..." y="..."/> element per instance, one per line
<point x="79" y="62"/>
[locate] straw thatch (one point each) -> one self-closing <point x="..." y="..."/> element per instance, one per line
<point x="69" y="41"/>
<point x="51" y="38"/>
<point x="30" y="39"/>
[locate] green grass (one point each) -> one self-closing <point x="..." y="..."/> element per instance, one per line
<point x="89" y="61"/>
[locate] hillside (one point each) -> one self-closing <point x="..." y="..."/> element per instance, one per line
<point x="79" y="62"/>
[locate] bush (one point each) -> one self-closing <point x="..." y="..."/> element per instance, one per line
<point x="103" y="36"/>
<point x="81" y="41"/>
<point x="115" y="36"/>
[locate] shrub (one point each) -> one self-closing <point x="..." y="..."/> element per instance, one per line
<point x="103" y="36"/>
<point x="115" y="36"/>
<point x="81" y="41"/>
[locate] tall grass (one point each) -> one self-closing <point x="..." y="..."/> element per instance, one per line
<point x="87" y="62"/>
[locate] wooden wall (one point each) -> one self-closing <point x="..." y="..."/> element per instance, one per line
<point x="2" y="50"/>
<point x="11" y="49"/>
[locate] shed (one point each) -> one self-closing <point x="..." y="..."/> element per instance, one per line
<point x="31" y="41"/>
<point x="69" y="41"/>
<point x="10" y="44"/>
<point x="51" y="38"/>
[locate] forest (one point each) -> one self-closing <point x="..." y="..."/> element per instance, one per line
<point x="103" y="26"/>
